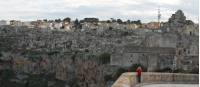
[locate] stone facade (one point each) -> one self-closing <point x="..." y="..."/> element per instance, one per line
<point x="3" y="22"/>
<point x="16" y="23"/>
<point x="152" y="58"/>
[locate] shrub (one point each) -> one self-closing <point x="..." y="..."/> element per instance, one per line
<point x="119" y="72"/>
<point x="167" y="69"/>
<point x="53" y="52"/>
<point x="178" y="71"/>
<point x="110" y="28"/>
<point x="133" y="67"/>
<point x="108" y="78"/>
<point x="86" y="50"/>
<point x="195" y="71"/>
<point x="7" y="74"/>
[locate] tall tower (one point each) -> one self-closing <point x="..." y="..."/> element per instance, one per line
<point x="159" y="17"/>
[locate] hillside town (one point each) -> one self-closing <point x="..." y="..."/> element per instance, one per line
<point x="93" y="52"/>
<point x="87" y="23"/>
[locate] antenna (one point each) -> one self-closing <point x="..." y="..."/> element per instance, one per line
<point x="159" y="17"/>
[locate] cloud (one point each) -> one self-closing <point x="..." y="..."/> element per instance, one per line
<point x="145" y="10"/>
<point x="166" y="2"/>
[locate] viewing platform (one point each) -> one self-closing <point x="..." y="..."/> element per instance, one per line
<point x="153" y="79"/>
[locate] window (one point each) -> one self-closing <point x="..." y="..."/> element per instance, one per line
<point x="131" y="55"/>
<point x="188" y="51"/>
<point x="190" y="32"/>
<point x="179" y="52"/>
<point x="184" y="50"/>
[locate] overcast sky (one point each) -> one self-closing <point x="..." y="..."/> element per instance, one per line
<point x="145" y="10"/>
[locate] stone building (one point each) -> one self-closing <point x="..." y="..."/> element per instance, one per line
<point x="151" y="57"/>
<point x="87" y="25"/>
<point x="153" y="25"/>
<point x="132" y="26"/>
<point x="57" y="25"/>
<point x="161" y="40"/>
<point x="177" y="23"/>
<point x="67" y="25"/>
<point x="28" y="24"/>
<point x="90" y="23"/>
<point x="192" y="29"/>
<point x="103" y="25"/>
<point x="16" y="23"/>
<point x="3" y="22"/>
<point x="115" y="25"/>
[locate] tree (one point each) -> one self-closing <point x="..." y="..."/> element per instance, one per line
<point x="67" y="19"/>
<point x="108" y="21"/>
<point x="128" y="21"/>
<point x="91" y="20"/>
<point x="77" y="24"/>
<point x="189" y="22"/>
<point x="45" y="20"/>
<point x="138" y="22"/>
<point x="119" y="21"/>
<point x="58" y="20"/>
<point x="89" y="72"/>
<point x="133" y="67"/>
<point x="113" y="20"/>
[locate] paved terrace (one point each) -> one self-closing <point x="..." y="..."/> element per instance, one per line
<point x="170" y="85"/>
<point x="159" y="79"/>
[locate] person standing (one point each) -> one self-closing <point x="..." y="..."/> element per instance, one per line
<point x="139" y="73"/>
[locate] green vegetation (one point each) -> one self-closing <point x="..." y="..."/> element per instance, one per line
<point x="178" y="71"/>
<point x="167" y="69"/>
<point x="67" y="19"/>
<point x="5" y="77"/>
<point x="53" y="52"/>
<point x="133" y="67"/>
<point x="195" y="71"/>
<point x="36" y="81"/>
<point x="119" y="72"/>
<point x="108" y="78"/>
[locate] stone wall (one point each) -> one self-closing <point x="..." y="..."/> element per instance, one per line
<point x="50" y="51"/>
<point x="129" y="79"/>
<point x="152" y="58"/>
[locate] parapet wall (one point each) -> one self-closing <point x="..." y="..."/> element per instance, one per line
<point x="129" y="79"/>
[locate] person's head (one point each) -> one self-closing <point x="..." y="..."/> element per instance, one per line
<point x="139" y="67"/>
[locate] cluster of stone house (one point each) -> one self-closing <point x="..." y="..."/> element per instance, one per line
<point x="153" y="25"/>
<point x="115" y="25"/>
<point x="62" y="25"/>
<point x="105" y="25"/>
<point x="3" y="22"/>
<point x="159" y="52"/>
<point x="87" y="23"/>
<point x="65" y="25"/>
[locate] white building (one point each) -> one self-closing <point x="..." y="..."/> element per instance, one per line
<point x="28" y="24"/>
<point x="67" y="26"/>
<point x="44" y="25"/>
<point x="88" y="25"/>
<point x="50" y="26"/>
<point x="57" y="25"/>
<point x="3" y="22"/>
<point x="16" y="23"/>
